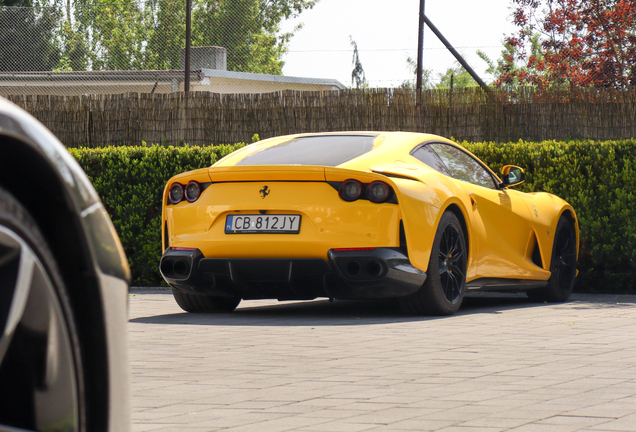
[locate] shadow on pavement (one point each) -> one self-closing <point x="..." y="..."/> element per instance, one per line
<point x="337" y="313"/>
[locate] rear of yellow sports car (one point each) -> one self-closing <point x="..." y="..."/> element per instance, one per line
<point x="285" y="232"/>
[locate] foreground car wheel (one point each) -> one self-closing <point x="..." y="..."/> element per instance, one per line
<point x="40" y="361"/>
<point x="204" y="303"/>
<point x="444" y="289"/>
<point x="562" y="266"/>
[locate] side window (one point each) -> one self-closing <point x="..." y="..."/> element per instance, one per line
<point x="427" y="155"/>
<point x="462" y="166"/>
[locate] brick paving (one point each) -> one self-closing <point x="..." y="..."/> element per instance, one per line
<point x="501" y="364"/>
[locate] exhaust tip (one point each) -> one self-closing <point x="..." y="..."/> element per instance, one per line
<point x="167" y="267"/>
<point x="353" y="268"/>
<point x="180" y="267"/>
<point x="374" y="269"/>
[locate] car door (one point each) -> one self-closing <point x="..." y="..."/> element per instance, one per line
<point x="498" y="219"/>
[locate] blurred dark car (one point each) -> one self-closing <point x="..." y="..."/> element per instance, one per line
<point x="63" y="290"/>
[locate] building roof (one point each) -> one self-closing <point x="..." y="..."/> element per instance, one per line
<point x="215" y="73"/>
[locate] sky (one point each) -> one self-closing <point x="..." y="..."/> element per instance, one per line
<point x="386" y="35"/>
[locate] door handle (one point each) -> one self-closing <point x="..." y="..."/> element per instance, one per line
<point x="472" y="200"/>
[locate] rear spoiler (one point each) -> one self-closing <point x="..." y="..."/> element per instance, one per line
<point x="290" y="173"/>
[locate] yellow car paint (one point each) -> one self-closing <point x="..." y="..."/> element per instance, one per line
<point x="502" y="225"/>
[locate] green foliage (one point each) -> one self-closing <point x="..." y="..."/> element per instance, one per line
<point x="596" y="178"/>
<point x="456" y="77"/>
<point x="357" y="74"/>
<point x="130" y="182"/>
<point x="427" y="76"/>
<point x="510" y="72"/>
<point x="122" y="35"/>
<point x="26" y="27"/>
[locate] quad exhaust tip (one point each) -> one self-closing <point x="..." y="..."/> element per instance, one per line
<point x="364" y="269"/>
<point x="175" y="268"/>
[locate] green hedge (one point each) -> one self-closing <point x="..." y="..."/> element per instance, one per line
<point x="595" y="177"/>
<point x="130" y="181"/>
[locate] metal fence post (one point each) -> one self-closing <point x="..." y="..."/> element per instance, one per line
<point x="186" y="85"/>
<point x="420" y="53"/>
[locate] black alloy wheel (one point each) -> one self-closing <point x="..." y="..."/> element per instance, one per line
<point x="562" y="266"/>
<point x="41" y="377"/>
<point x="443" y="291"/>
<point x="452" y="263"/>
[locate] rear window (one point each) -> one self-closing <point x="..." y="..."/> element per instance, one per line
<point x="323" y="150"/>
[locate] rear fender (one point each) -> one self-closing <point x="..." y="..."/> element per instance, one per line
<point x="546" y="211"/>
<point x="422" y="204"/>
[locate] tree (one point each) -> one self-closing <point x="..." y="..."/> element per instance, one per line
<point x="509" y="72"/>
<point x="144" y="34"/>
<point x="26" y="43"/>
<point x="248" y="29"/>
<point x="426" y="76"/>
<point x="455" y="77"/>
<point x="357" y="74"/>
<point x="583" y="43"/>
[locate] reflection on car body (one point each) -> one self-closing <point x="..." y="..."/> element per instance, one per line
<point x="409" y="216"/>
<point x="63" y="290"/>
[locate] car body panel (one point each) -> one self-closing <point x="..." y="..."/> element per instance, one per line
<point x="324" y="216"/>
<point x="106" y="274"/>
<point x="501" y="224"/>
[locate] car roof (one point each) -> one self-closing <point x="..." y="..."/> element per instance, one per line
<point x="387" y="145"/>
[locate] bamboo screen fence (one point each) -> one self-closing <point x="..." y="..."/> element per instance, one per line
<point x="203" y="118"/>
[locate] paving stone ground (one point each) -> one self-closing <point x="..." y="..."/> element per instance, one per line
<point x="500" y="364"/>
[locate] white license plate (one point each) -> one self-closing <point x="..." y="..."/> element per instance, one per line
<point x="262" y="224"/>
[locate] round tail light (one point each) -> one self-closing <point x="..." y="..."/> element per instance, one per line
<point x="350" y="190"/>
<point x="175" y="195"/>
<point x="378" y="192"/>
<point x="192" y="191"/>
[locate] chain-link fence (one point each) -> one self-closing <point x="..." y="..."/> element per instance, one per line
<point x="77" y="47"/>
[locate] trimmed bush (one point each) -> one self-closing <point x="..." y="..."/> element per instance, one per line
<point x="130" y="181"/>
<point x="595" y="177"/>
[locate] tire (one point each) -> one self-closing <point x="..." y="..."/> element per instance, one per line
<point x="204" y="303"/>
<point x="443" y="291"/>
<point x="41" y="370"/>
<point x="562" y="266"/>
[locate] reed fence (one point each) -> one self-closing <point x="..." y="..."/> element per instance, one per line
<point x="203" y="118"/>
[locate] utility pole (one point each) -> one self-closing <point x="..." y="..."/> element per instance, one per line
<point x="420" y="53"/>
<point x="186" y="85"/>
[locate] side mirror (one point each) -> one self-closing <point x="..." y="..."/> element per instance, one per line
<point x="512" y="176"/>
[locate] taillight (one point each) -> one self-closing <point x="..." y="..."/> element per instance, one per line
<point x="192" y="191"/>
<point x="175" y="195"/>
<point x="350" y="190"/>
<point x="378" y="191"/>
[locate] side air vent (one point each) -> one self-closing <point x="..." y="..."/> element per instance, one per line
<point x="403" y="247"/>
<point x="166" y="236"/>
<point x="536" y="254"/>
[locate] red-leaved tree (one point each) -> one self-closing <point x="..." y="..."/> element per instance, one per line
<point x="589" y="43"/>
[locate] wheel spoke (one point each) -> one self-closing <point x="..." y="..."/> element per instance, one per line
<point x="455" y="240"/>
<point x="16" y="269"/>
<point x="456" y="270"/>
<point x="36" y="342"/>
<point x="454" y="288"/>
<point x="452" y="262"/>
<point x="456" y="257"/>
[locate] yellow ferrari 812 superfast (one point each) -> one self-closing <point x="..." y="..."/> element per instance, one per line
<point x="372" y="215"/>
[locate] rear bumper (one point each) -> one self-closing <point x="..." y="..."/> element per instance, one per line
<point x="375" y="273"/>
